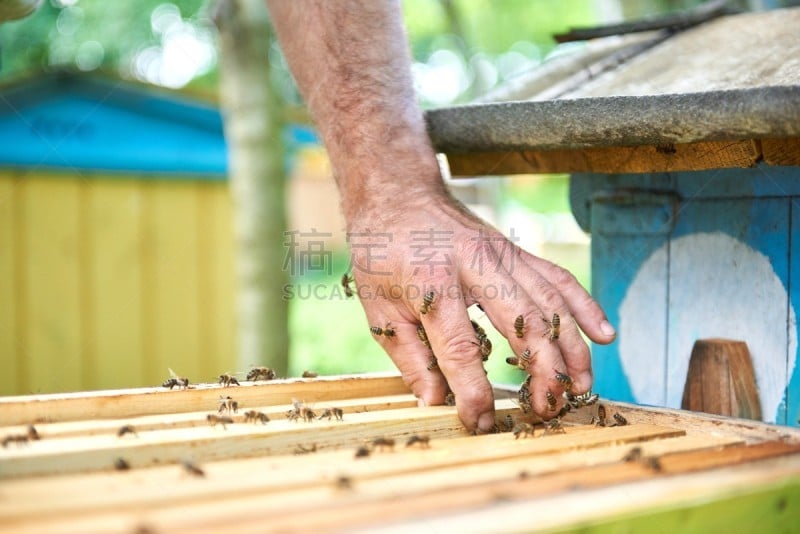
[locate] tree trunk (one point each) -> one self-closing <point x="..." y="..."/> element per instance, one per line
<point x="256" y="175"/>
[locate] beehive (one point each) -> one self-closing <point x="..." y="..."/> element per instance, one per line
<point x="665" y="467"/>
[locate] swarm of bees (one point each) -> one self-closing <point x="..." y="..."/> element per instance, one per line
<point x="427" y="303"/>
<point x="260" y="373"/>
<point x="214" y="419"/>
<point x="21" y="439"/>
<point x="386" y="331"/>
<point x="253" y="416"/>
<point x="226" y="380"/>
<point x="175" y="381"/>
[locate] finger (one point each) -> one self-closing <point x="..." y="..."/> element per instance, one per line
<point x="586" y="311"/>
<point x="537" y="354"/>
<point x="454" y="342"/>
<point x="413" y="359"/>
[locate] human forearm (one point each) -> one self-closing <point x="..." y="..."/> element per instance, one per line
<point x="351" y="63"/>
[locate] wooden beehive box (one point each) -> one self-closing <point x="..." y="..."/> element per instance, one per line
<point x="666" y="468"/>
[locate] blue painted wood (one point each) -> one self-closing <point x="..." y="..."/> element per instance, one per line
<point x="90" y="124"/>
<point x="791" y="406"/>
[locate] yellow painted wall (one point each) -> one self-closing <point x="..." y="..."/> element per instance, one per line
<point x="105" y="282"/>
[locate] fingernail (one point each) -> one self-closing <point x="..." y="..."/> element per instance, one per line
<point x="421" y="403"/>
<point x="607" y="329"/>
<point x="486" y="422"/>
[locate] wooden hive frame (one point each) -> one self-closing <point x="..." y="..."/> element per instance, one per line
<point x="304" y="476"/>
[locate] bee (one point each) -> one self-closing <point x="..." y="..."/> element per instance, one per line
<point x="121" y="464"/>
<point x="633" y="455"/>
<point x="522" y="362"/>
<point x="175" y="381"/>
<point x="551" y="400"/>
<point x="346" y="281"/>
<point x="485" y="346"/>
<point x="513" y="360"/>
<point x="553" y="327"/>
<point x="227" y="405"/>
<point x="524" y="430"/>
<point x="227" y="380"/>
<point x="362" y="452"/>
<point x="433" y="363"/>
<point x="601" y="415"/>
<point x="19" y="439"/>
<point x="292" y="415"/>
<point x="620" y="420"/>
<point x="302" y="449"/>
<point x="479" y="331"/>
<point x="33" y="435"/>
<point x="126" y="429"/>
<point x="427" y="302"/>
<point x="260" y="373"/>
<point x="579" y="401"/>
<point x="383" y="443"/>
<point x="564" y="379"/>
<point x="524" y="396"/>
<point x="387" y="331"/>
<point x="252" y="416"/>
<point x="450" y="399"/>
<point x="424" y="442"/>
<point x="423" y="336"/>
<point x="554" y="426"/>
<point x="519" y="326"/>
<point x="336" y="413"/>
<point x="192" y="468"/>
<point x="310" y="374"/>
<point x="307" y="414"/>
<point x="653" y="463"/>
<point x="509" y="422"/>
<point x="223" y="420"/>
<point x="344" y="483"/>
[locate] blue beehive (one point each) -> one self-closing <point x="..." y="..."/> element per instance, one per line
<point x="684" y="150"/>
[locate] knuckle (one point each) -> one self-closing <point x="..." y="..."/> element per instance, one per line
<point x="562" y="279"/>
<point x="461" y="349"/>
<point x="551" y="298"/>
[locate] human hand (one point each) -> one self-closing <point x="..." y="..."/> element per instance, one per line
<point x="402" y="250"/>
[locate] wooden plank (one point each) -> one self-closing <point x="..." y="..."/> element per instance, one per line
<point x="9" y="329"/>
<point x="52" y="278"/>
<point x="611" y="160"/>
<point x="26" y="409"/>
<point x="456" y="461"/>
<point x="781" y="151"/>
<point x="115" y="243"/>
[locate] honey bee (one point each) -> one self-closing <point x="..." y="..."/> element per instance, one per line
<point x="579" y="401"/>
<point x="387" y="331"/>
<point x="524" y="396"/>
<point x="424" y="442"/>
<point x="260" y="373"/>
<point x="227" y="380"/>
<point x="633" y="455"/>
<point x="554" y="426"/>
<point x="292" y="415"/>
<point x="519" y="326"/>
<point x="227" y="405"/>
<point x="427" y="302"/>
<point x="479" y="331"/>
<point x="344" y="483"/>
<point x="126" y="429"/>
<point x="485" y="346"/>
<point x="433" y="363"/>
<point x="19" y="439"/>
<point x="175" y="381"/>
<point x="513" y="360"/>
<point x="346" y="281"/>
<point x="551" y="400"/>
<point x="509" y="422"/>
<point x="450" y="399"/>
<point x="253" y="416"/>
<point x="302" y="449"/>
<point x="523" y="429"/>
<point x="223" y="420"/>
<point x="620" y="420"/>
<point x="423" y="336"/>
<point x="522" y="362"/>
<point x="121" y="464"/>
<point x="192" y="468"/>
<point x="307" y="414"/>
<point x="33" y="435"/>
<point x="601" y="416"/>
<point x="362" y="452"/>
<point x="310" y="374"/>
<point x="653" y="463"/>
<point x="553" y="327"/>
<point x="383" y="443"/>
<point x="329" y="413"/>
<point x="564" y="379"/>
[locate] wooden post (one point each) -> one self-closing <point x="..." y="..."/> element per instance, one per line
<point x="721" y="380"/>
